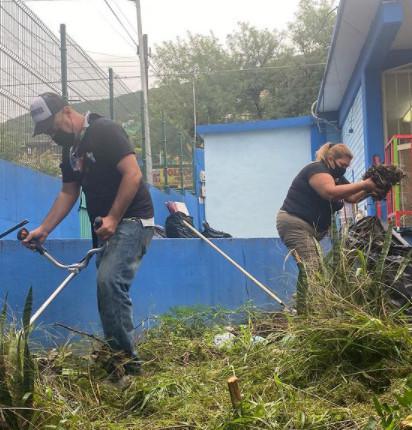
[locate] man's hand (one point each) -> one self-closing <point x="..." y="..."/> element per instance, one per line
<point x="108" y="228"/>
<point x="36" y="236"/>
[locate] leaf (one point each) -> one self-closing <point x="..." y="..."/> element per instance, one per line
<point x="27" y="312"/>
<point x="405" y="263"/>
<point x="27" y="382"/>
<point x="380" y="265"/>
<point x="5" y="395"/>
<point x="378" y="406"/>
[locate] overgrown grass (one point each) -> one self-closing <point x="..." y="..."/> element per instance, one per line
<point x="344" y="365"/>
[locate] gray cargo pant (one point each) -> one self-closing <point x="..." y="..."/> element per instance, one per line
<point x="300" y="238"/>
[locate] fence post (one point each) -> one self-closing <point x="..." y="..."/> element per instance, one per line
<point x="111" y="94"/>
<point x="63" y="61"/>
<point x="182" y="184"/>
<point x="165" y="166"/>
<point x="194" y="178"/>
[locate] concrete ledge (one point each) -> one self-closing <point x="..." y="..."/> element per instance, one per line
<point x="175" y="272"/>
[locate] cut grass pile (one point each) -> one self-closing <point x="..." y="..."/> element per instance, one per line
<point x="344" y="365"/>
<point x="310" y="374"/>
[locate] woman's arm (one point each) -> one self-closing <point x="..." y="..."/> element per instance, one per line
<point x="324" y="185"/>
<point x="358" y="197"/>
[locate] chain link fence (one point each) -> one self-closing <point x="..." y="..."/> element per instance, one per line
<point x="30" y="64"/>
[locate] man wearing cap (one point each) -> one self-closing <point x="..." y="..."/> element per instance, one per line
<point x="98" y="158"/>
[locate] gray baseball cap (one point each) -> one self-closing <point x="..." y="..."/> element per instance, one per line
<point x="43" y="109"/>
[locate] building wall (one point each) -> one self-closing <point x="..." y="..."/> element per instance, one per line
<point x="175" y="272"/>
<point x="355" y="139"/>
<point x="248" y="175"/>
<point x="27" y="194"/>
<point x="353" y="136"/>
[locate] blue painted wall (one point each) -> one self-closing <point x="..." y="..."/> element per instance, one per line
<point x="175" y="272"/>
<point x="27" y="194"/>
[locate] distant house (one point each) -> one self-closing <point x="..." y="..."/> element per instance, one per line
<point x="366" y="98"/>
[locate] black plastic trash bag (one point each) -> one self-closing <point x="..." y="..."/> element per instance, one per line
<point x="211" y="233"/>
<point x="368" y="235"/>
<point x="175" y="227"/>
<point x="159" y="232"/>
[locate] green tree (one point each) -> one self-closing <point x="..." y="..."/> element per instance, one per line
<point x="252" y="53"/>
<point x="256" y="74"/>
<point x="313" y="26"/>
<point x="185" y="66"/>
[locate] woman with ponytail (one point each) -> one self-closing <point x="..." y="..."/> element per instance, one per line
<point x="317" y="192"/>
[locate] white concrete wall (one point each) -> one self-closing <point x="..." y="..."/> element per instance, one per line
<point x="248" y="175"/>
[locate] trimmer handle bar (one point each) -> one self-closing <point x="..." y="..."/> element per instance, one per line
<point x="73" y="269"/>
<point x="76" y="267"/>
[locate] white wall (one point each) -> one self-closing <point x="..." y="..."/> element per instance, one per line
<point x="248" y="175"/>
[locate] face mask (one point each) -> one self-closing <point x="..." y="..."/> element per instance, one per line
<point x="63" y="138"/>
<point x="337" y="171"/>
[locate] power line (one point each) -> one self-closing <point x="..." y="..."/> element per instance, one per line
<point x="109" y="55"/>
<point x="125" y="17"/>
<point x="120" y="22"/>
<point x="117" y="77"/>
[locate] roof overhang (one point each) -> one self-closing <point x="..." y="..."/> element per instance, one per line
<point x="250" y="126"/>
<point x="352" y="28"/>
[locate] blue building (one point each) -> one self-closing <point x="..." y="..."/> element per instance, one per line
<point x="365" y="99"/>
<point x="366" y="89"/>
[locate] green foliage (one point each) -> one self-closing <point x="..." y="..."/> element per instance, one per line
<point x="16" y="372"/>
<point x="320" y="370"/>
<point x="395" y="415"/>
<point x="256" y="74"/>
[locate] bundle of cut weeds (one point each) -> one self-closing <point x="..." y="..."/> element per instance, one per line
<point x="352" y="330"/>
<point x="385" y="177"/>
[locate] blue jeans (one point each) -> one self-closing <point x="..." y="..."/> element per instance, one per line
<point x="116" y="269"/>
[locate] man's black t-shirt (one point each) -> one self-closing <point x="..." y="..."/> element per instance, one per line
<point x="304" y="202"/>
<point x="103" y="145"/>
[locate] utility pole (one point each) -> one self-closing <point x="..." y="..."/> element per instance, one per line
<point x="145" y="93"/>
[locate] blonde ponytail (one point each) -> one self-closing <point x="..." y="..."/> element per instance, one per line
<point x="334" y="150"/>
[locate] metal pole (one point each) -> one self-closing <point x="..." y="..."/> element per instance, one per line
<point x="194" y="134"/>
<point x="111" y="94"/>
<point x="145" y="93"/>
<point x="143" y="136"/>
<point x="63" y="57"/>
<point x="55" y="293"/>
<point x="238" y="266"/>
<point x="182" y="184"/>
<point x="146" y="58"/>
<point x="11" y="229"/>
<point x="165" y="167"/>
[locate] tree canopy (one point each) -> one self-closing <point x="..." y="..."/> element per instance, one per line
<point x="253" y="74"/>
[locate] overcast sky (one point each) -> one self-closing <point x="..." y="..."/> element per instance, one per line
<point x="95" y="28"/>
